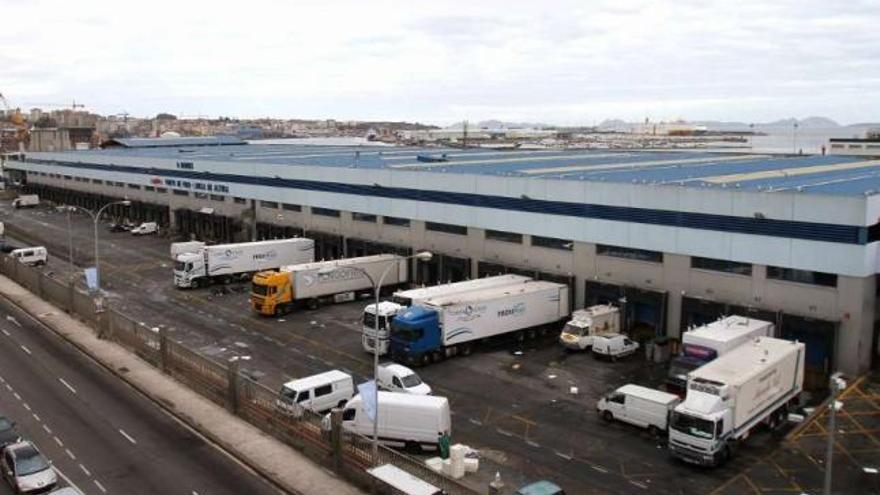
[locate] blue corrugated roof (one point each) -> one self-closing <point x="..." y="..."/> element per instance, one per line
<point x="833" y="174"/>
<point x="172" y="142"/>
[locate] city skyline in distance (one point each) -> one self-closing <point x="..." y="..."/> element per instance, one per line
<point x="566" y="63"/>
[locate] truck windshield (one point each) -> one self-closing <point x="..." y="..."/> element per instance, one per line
<point x="576" y="330"/>
<point x="406" y="333"/>
<point x="179" y="266"/>
<point x="411" y="381"/>
<point x="692" y="425"/>
<point x="370" y="321"/>
<point x="259" y="289"/>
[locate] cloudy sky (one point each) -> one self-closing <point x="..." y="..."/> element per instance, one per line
<point x="549" y="61"/>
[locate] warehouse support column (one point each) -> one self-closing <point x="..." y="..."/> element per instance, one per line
<point x="253" y="220"/>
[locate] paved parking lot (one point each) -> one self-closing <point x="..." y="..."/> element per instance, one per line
<point x="516" y="405"/>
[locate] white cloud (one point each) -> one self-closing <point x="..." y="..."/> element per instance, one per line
<point x="568" y="62"/>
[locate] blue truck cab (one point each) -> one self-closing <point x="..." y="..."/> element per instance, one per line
<point x="692" y="357"/>
<point x="415" y="334"/>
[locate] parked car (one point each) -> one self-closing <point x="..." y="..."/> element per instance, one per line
<point x="398" y="378"/>
<point x="318" y="393"/>
<point x="8" y="433"/>
<point x="640" y="406"/>
<point x="146" y="228"/>
<point x="32" y="256"/>
<point x="120" y="227"/>
<point x="26" y="469"/>
<point x="613" y="346"/>
<point x="541" y="488"/>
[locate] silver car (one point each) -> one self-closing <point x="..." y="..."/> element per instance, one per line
<point x="26" y="470"/>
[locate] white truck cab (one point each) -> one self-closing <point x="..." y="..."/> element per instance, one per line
<point x="146" y="228"/>
<point x="578" y="333"/>
<point x="317" y="393"/>
<point x="31" y="256"/>
<point x="398" y="378"/>
<point x="387" y="311"/>
<point x="613" y="346"/>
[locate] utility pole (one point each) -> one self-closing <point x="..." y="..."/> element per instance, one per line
<point x="837" y="385"/>
<point x="464" y="135"/>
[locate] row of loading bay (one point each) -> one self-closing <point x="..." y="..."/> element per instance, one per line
<point x="644" y="311"/>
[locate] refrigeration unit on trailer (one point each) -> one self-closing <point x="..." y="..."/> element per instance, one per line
<point x="443" y="327"/>
<point x="406" y="298"/>
<point x="578" y="333"/>
<point x="753" y="384"/>
<point x="178" y="248"/>
<point x="278" y="291"/>
<point x="223" y="261"/>
<point x="705" y="343"/>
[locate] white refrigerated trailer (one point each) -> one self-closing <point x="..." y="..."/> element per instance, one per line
<point x="223" y="261"/>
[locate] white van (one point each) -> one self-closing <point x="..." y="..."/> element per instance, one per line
<point x="640" y="406"/>
<point x="317" y="393"/>
<point x="31" y="256"/>
<point x="146" y="228"/>
<point x="613" y="346"/>
<point x="398" y="378"/>
<point x="414" y="422"/>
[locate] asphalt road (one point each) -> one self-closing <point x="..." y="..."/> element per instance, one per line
<point x="101" y="435"/>
<point x="516" y="406"/>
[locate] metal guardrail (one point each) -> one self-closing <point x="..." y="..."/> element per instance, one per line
<point x="223" y="384"/>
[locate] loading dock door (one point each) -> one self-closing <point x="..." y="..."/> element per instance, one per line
<point x="819" y="337"/>
<point x="643" y="311"/>
<point x="697" y="312"/>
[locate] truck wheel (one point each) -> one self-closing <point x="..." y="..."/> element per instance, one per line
<point x="413" y="447"/>
<point x="466" y="349"/>
<point x="437" y="356"/>
<point x="312" y="304"/>
<point x="607" y="416"/>
<point x="424" y="360"/>
<point x="654" y="431"/>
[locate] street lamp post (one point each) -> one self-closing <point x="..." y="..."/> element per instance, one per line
<point x="837" y="386"/>
<point x="377" y="289"/>
<point x="96" y="217"/>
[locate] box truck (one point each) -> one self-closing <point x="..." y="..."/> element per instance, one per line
<point x="26" y="201"/>
<point x="223" y="261"/>
<point x="414" y="422"/>
<point x="406" y="298"/>
<point x="703" y="344"/>
<point x="277" y="292"/>
<point x="442" y="327"/>
<point x="752" y="384"/>
<point x="578" y="333"/>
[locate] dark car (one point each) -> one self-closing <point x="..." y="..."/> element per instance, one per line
<point x="8" y="434"/>
<point x="119" y="227"/>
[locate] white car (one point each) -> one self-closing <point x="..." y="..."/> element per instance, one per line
<point x="398" y="378"/>
<point x="26" y="470"/>
<point x="32" y="256"/>
<point x="146" y="228"/>
<point x="613" y="346"/>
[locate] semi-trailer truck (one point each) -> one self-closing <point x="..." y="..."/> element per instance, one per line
<point x="703" y="344"/>
<point x="406" y="298"/>
<point x="585" y="324"/>
<point x="279" y="291"/>
<point x="223" y="261"/>
<point x="442" y="327"/>
<point x="752" y="384"/>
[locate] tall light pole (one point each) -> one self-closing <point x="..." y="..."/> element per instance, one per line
<point x="837" y="386"/>
<point x="377" y="289"/>
<point x="96" y="218"/>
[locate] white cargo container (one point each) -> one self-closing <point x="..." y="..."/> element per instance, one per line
<point x="405" y="298"/>
<point x="26" y="201"/>
<point x="445" y="326"/>
<point x="726" y="398"/>
<point x="223" y="261"/>
<point x="186" y="247"/>
<point x="703" y="344"/>
<point x="277" y="292"/>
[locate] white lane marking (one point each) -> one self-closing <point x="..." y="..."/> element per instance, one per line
<point x="26" y="406"/>
<point x="67" y="385"/>
<point x="70" y="454"/>
<point x="600" y="469"/>
<point x="25" y="349"/>
<point x="640" y="485"/>
<point x="8" y="387"/>
<point x="85" y="470"/>
<point x="195" y="492"/>
<point x="564" y="456"/>
<point x="48" y="430"/>
<point x="65" y="478"/>
<point x="18" y="397"/>
<point x="36" y="417"/>
<point x="58" y="441"/>
<point x="100" y="486"/>
<point x="127" y="436"/>
<point x="6" y="332"/>
<point x="13" y="320"/>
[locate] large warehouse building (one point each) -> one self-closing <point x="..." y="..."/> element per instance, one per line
<point x="675" y="238"/>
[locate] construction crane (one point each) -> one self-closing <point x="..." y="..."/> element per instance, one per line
<point x="73" y="105"/>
